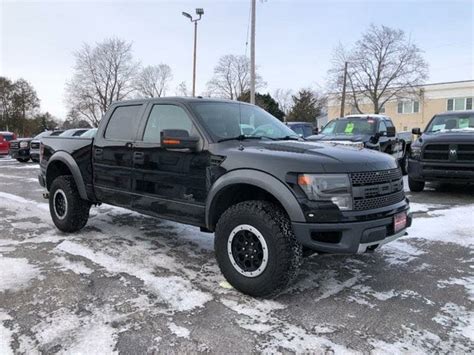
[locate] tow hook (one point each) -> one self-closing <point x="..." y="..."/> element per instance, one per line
<point x="46" y="195"/>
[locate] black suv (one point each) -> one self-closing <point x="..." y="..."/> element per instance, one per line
<point x="444" y="152"/>
<point x="233" y="169"/>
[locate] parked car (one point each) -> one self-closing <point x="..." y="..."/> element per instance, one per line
<point x="303" y="129"/>
<point x="74" y="132"/>
<point x="89" y="133"/>
<point x="375" y="132"/>
<point x="35" y="143"/>
<point x="5" y="139"/>
<point x="269" y="197"/>
<point x="444" y="152"/>
<point x="20" y="149"/>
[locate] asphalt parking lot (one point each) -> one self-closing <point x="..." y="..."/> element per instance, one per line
<point x="132" y="284"/>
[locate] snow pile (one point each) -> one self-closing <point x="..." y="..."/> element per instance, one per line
<point x="16" y="273"/>
<point x="6" y="335"/>
<point x="181" y="332"/>
<point x="454" y="225"/>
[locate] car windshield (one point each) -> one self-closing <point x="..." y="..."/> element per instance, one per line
<point x="225" y="120"/>
<point x="89" y="134"/>
<point x="301" y="129"/>
<point x="42" y="134"/>
<point x="351" y="126"/>
<point x="7" y="137"/>
<point x="451" y="123"/>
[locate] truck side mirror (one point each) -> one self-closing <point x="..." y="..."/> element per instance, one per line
<point x="391" y="132"/>
<point x="178" y="139"/>
<point x="416" y="131"/>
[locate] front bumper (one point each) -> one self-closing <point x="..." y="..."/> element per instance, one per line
<point x="441" y="172"/>
<point x="348" y="238"/>
<point x="20" y="153"/>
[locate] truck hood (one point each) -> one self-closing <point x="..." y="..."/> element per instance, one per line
<point x="451" y="136"/>
<point x="340" y="137"/>
<point x="304" y="156"/>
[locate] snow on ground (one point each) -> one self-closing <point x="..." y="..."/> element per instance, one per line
<point x="16" y="274"/>
<point x="129" y="280"/>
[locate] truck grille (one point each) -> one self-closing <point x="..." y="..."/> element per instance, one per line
<point x="14" y="145"/>
<point x="449" y="152"/>
<point x="376" y="189"/>
<point x="35" y="145"/>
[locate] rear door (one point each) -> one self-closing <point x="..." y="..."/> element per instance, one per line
<point x="112" y="154"/>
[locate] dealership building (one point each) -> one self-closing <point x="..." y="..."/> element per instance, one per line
<point x="417" y="110"/>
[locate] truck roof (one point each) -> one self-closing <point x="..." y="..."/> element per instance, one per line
<point x="181" y="99"/>
<point x="455" y="113"/>
<point x="369" y="115"/>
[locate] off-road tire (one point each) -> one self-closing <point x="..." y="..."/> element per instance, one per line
<point x="77" y="210"/>
<point x="284" y="251"/>
<point x="415" y="186"/>
<point x="22" y="160"/>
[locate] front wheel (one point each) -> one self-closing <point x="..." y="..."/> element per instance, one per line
<point x="256" y="248"/>
<point x="415" y="186"/>
<point x="68" y="210"/>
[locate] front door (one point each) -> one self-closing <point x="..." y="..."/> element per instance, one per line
<point x="169" y="182"/>
<point x="112" y="155"/>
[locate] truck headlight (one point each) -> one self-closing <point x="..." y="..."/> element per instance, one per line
<point x="415" y="153"/>
<point x="23" y="144"/>
<point x="335" y="188"/>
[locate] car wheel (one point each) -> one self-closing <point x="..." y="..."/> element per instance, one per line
<point x="256" y="248"/>
<point x="415" y="186"/>
<point x="68" y="210"/>
<point x="22" y="160"/>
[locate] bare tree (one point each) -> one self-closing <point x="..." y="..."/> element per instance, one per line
<point x="182" y="89"/>
<point x="382" y="65"/>
<point x="284" y="99"/>
<point x="103" y="73"/>
<point x="232" y="77"/>
<point x="153" y="81"/>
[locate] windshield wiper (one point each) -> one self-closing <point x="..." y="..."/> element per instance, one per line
<point x="289" y="138"/>
<point x="240" y="137"/>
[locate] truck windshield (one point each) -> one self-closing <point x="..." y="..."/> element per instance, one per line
<point x="452" y="123"/>
<point x="350" y="126"/>
<point x="224" y="120"/>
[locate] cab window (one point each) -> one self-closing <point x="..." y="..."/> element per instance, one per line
<point x="166" y="117"/>
<point x="123" y="123"/>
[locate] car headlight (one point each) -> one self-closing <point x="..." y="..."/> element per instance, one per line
<point x="23" y="144"/>
<point x="415" y="153"/>
<point x="335" y="188"/>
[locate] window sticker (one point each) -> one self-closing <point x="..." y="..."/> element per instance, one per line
<point x="349" y="128"/>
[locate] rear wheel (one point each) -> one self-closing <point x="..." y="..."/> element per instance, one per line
<point x="68" y="210"/>
<point x="256" y="249"/>
<point x="415" y="186"/>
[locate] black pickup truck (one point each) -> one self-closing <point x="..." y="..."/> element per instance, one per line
<point x="444" y="152"/>
<point x="371" y="131"/>
<point x="269" y="196"/>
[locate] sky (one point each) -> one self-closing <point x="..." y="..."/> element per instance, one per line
<point x="295" y="39"/>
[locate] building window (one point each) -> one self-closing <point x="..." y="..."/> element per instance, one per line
<point x="459" y="104"/>
<point x="406" y="107"/>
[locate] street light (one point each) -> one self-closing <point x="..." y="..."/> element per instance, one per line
<point x="199" y="12"/>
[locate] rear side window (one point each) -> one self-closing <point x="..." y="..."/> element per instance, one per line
<point x="123" y="123"/>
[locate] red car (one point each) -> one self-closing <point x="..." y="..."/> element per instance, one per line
<point x="5" y="138"/>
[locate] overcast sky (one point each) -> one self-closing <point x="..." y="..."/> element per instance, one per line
<point x="295" y="39"/>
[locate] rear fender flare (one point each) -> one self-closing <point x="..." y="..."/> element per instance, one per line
<point x="69" y="161"/>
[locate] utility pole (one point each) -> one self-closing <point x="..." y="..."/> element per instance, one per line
<point x="199" y="12"/>
<point x="343" y="98"/>
<point x="252" y="54"/>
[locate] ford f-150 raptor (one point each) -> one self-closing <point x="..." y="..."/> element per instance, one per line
<point x="269" y="196"/>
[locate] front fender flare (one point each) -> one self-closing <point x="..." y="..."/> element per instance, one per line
<point x="69" y="161"/>
<point x="259" y="179"/>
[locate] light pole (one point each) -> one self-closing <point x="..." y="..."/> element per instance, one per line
<point x="343" y="98"/>
<point x="252" y="54"/>
<point x="199" y="12"/>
